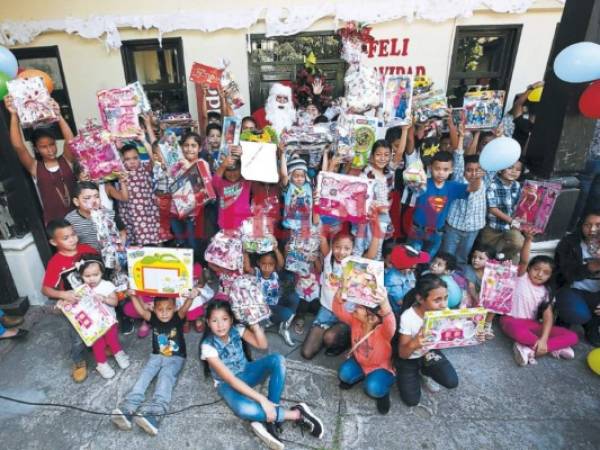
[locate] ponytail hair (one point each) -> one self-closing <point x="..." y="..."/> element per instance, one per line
<point x="425" y="284"/>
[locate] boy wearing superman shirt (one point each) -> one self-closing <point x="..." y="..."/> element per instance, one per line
<point x="433" y="204"/>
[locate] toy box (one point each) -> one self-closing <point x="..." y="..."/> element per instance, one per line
<point x="247" y="301"/>
<point x="483" y="109"/>
<point x="160" y="271"/>
<point x="536" y="204"/>
<point x="362" y="280"/>
<point x="119" y="111"/>
<point x="32" y="101"/>
<point x="344" y="196"/>
<point x="97" y="153"/>
<point x="364" y="135"/>
<point x="232" y="127"/>
<point x="225" y="250"/>
<point x="397" y="99"/>
<point x="307" y="141"/>
<point x="453" y="327"/>
<point x="171" y="153"/>
<point x="430" y="104"/>
<point x="206" y="75"/>
<point x="497" y="286"/>
<point x="192" y="190"/>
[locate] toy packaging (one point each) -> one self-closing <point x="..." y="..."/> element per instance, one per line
<point x="160" y="271"/>
<point x="343" y="146"/>
<point x="192" y="190"/>
<point x="397" y="99"/>
<point x="141" y="96"/>
<point x="230" y="88"/>
<point x="119" y="111"/>
<point x="308" y="287"/>
<point x="247" y="301"/>
<point x="97" y="153"/>
<point x="483" y="109"/>
<point x="178" y="122"/>
<point x="225" y="250"/>
<point x="32" y="101"/>
<point x="108" y="237"/>
<point x="257" y="234"/>
<point x="536" y="204"/>
<point x="259" y="162"/>
<point x="232" y="127"/>
<point x="430" y="104"/>
<point x="344" y="196"/>
<point x="362" y="281"/>
<point x="497" y="286"/>
<point x="171" y="153"/>
<point x="453" y="327"/>
<point x="364" y="130"/>
<point x="206" y="75"/>
<point x="90" y="317"/>
<point x="302" y="251"/>
<point x="307" y="140"/>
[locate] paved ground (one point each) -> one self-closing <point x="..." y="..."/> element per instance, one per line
<point x="554" y="405"/>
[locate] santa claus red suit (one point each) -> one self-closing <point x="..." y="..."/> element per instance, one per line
<point x="279" y="110"/>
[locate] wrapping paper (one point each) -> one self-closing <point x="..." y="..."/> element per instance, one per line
<point x="536" y="204"/>
<point x="119" y="111"/>
<point x="97" y="153"/>
<point x="430" y="104"/>
<point x="415" y="177"/>
<point x="225" y="250"/>
<point x="160" y="271"/>
<point x="171" y="154"/>
<point x="247" y="301"/>
<point x="90" y="317"/>
<point x="497" y="286"/>
<point x="397" y="99"/>
<point x="257" y="234"/>
<point x="344" y="196"/>
<point x="308" y="287"/>
<point x="303" y="249"/>
<point x="362" y="281"/>
<point x="192" y="190"/>
<point x="307" y="140"/>
<point x="483" y="109"/>
<point x="362" y="88"/>
<point x="108" y="237"/>
<point x="453" y="327"/>
<point x="206" y="75"/>
<point x="259" y="162"/>
<point x="141" y="96"/>
<point x="32" y="101"/>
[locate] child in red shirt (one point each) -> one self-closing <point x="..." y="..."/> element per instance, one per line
<point x="61" y="278"/>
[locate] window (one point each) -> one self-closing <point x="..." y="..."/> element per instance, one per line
<point x="279" y="58"/>
<point x="482" y="56"/>
<point x="47" y="59"/>
<point x="160" y="70"/>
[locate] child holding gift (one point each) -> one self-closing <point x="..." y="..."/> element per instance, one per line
<point x="370" y="357"/>
<point x="165" y="362"/>
<point x="298" y="196"/>
<point x="533" y="298"/>
<point x="415" y="361"/>
<point x="400" y="265"/>
<point x="474" y="274"/>
<point x="225" y="356"/>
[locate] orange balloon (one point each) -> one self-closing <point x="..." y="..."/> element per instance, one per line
<point x="30" y="73"/>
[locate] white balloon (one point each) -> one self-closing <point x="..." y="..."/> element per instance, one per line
<point x="578" y="63"/>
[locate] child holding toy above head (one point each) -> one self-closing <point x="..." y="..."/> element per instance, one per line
<point x="370" y="358"/>
<point x="225" y="356"/>
<point x="400" y="265"/>
<point x="533" y="298"/>
<point x="415" y="361"/>
<point x="165" y="363"/>
<point x="298" y="196"/>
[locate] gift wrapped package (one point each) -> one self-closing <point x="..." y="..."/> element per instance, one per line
<point x="308" y="287"/>
<point x="483" y="109"/>
<point x="119" y="111"/>
<point x="32" y="101"/>
<point x="160" y="270"/>
<point x="259" y="162"/>
<point x="171" y="154"/>
<point x="90" y="317"/>
<point x="453" y="327"/>
<point x="302" y="250"/>
<point x="362" y="88"/>
<point x="247" y="301"/>
<point x="97" y="153"/>
<point x="497" y="286"/>
<point x="206" y="75"/>
<point x="344" y="196"/>
<point x="536" y="204"/>
<point x="257" y="234"/>
<point x="397" y="99"/>
<point x="225" y="250"/>
<point x="192" y="190"/>
<point x="307" y="140"/>
<point x="362" y="280"/>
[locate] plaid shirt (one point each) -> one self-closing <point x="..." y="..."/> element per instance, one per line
<point x="504" y="198"/>
<point x="467" y="214"/>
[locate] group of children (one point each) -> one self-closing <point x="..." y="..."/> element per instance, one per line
<point x="434" y="240"/>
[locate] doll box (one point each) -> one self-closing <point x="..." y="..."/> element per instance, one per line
<point x="171" y="153"/>
<point x="97" y="153"/>
<point x="361" y="280"/>
<point x="430" y="104"/>
<point x="32" y="101"/>
<point x="536" y="204"/>
<point x="453" y="328"/>
<point x="90" y="317"/>
<point x="192" y="190"/>
<point x="397" y="99"/>
<point x="259" y="162"/>
<point x="119" y="111"/>
<point x="160" y="271"/>
<point x="344" y="196"/>
<point x="483" y="109"/>
<point x="497" y="286"/>
<point x="247" y="301"/>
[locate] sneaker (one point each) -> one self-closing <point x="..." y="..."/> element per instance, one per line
<point x="264" y="435"/>
<point x="126" y="326"/>
<point x="488" y="331"/>
<point x="592" y="334"/>
<point x="284" y="332"/>
<point x="383" y="404"/>
<point x="79" y="372"/>
<point x="122" y="359"/>
<point x="121" y="420"/>
<point x="309" y="420"/>
<point x="144" y="330"/>
<point x="105" y="370"/>
<point x="147" y="423"/>
<point x="523" y="354"/>
<point x="564" y="353"/>
<point x="429" y="384"/>
<point x="299" y="325"/>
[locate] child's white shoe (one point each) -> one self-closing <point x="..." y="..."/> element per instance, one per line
<point x="564" y="353"/>
<point x="105" y="370"/>
<point x="429" y="384"/>
<point x="523" y="354"/>
<point x="122" y="359"/>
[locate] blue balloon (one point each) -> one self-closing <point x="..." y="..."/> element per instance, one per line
<point x="8" y="62"/>
<point x="499" y="154"/>
<point x="454" y="292"/>
<point x="578" y="63"/>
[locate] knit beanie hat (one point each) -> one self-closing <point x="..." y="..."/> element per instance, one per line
<point x="296" y="163"/>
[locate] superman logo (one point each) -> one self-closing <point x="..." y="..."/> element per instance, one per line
<point x="437" y="202"/>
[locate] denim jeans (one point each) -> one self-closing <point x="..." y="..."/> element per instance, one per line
<point x="459" y="243"/>
<point x="377" y="383"/>
<point x="576" y="306"/>
<point x="184" y="231"/>
<point x="285" y="308"/>
<point x="167" y="369"/>
<point x="325" y="318"/>
<point x="271" y="366"/>
<point x="77" y="350"/>
<point x="426" y="241"/>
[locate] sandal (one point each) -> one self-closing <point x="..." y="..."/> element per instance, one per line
<point x="21" y="333"/>
<point x="299" y="325"/>
<point x="199" y="326"/>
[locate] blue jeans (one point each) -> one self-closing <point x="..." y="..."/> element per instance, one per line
<point x="272" y="366"/>
<point x="167" y="368"/>
<point x="576" y="306"/>
<point x="325" y="318"/>
<point x="285" y="308"/>
<point x="77" y="350"/>
<point x="2" y="329"/>
<point x="377" y="383"/>
<point x="459" y="243"/>
<point x="184" y="231"/>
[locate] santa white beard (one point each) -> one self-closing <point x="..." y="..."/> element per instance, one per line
<point x="279" y="115"/>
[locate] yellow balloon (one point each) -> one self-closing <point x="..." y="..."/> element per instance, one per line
<point x="535" y="95"/>
<point x="593" y="360"/>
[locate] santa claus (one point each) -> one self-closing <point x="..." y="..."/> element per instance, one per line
<point x="279" y="112"/>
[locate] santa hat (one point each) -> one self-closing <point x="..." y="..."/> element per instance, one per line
<point x="296" y="163"/>
<point x="406" y="257"/>
<point x="280" y="89"/>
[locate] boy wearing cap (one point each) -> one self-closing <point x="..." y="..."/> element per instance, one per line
<point x="298" y="195"/>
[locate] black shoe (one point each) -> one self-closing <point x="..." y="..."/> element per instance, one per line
<point x="334" y="351"/>
<point x="383" y="404"/>
<point x="592" y="334"/>
<point x="126" y="326"/>
<point x="309" y="420"/>
<point x="345" y="386"/>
